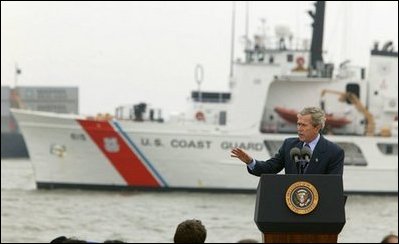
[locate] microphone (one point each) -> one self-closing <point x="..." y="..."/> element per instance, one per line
<point x="295" y="155"/>
<point x="306" y="154"/>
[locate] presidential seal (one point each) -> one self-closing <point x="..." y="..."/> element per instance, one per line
<point x="301" y="197"/>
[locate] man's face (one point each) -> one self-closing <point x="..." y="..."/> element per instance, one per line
<point x="306" y="131"/>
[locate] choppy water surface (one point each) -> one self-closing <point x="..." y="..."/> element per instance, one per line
<point x="30" y="215"/>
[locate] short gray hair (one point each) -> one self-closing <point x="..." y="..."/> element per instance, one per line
<point x="317" y="114"/>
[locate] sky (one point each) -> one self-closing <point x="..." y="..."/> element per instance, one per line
<point x="130" y="52"/>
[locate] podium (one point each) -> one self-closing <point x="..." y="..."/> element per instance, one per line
<point x="300" y="208"/>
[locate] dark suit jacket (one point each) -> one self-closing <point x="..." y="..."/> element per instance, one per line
<point x="327" y="158"/>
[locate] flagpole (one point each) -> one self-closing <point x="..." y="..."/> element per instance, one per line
<point x="17" y="72"/>
<point x="16" y="93"/>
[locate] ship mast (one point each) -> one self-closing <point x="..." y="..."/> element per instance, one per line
<point x="316" y="47"/>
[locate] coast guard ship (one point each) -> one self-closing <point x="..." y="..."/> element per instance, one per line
<point x="137" y="149"/>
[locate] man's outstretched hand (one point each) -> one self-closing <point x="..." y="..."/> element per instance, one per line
<point x="241" y="155"/>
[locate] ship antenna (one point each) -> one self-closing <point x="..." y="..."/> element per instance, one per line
<point x="248" y="56"/>
<point x="233" y="17"/>
<point x="247" y="47"/>
<point x="199" y="77"/>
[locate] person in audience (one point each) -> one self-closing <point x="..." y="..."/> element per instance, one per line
<point x="391" y="238"/>
<point x="190" y="231"/>
<point x="247" y="241"/>
<point x="63" y="239"/>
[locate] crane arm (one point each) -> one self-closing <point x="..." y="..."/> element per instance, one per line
<point x="343" y="96"/>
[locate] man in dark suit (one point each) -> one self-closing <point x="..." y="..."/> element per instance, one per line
<point x="327" y="157"/>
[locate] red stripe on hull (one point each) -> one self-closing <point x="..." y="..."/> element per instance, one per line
<point x="119" y="153"/>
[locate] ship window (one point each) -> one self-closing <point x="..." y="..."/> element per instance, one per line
<point x="58" y="108"/>
<point x="363" y="73"/>
<point x="353" y="154"/>
<point x="271" y="59"/>
<point x="222" y="118"/>
<point x="210" y="97"/>
<point x="388" y="148"/>
<point x="353" y="88"/>
<point x="290" y="58"/>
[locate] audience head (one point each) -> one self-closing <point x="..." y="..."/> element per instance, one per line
<point x="190" y="231"/>
<point x="63" y="239"/>
<point x="247" y="241"/>
<point x="59" y="239"/>
<point x="390" y="239"/>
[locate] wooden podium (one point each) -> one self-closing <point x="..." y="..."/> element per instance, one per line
<point x="300" y="208"/>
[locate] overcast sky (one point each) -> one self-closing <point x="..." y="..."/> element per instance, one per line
<point x="129" y="52"/>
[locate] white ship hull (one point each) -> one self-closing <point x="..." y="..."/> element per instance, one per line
<point x="75" y="152"/>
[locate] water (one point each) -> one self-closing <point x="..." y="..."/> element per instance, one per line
<point x="30" y="215"/>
